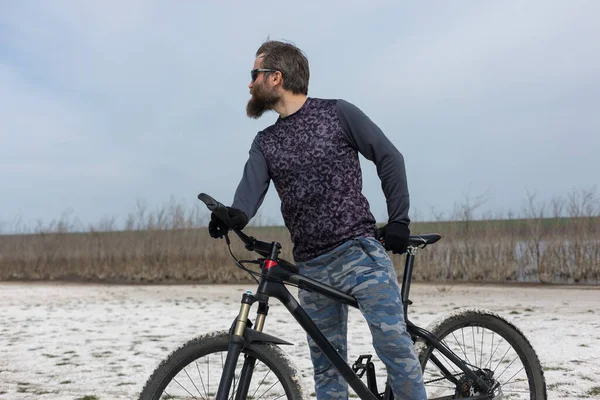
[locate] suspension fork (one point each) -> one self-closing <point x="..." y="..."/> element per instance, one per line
<point x="236" y="343"/>
<point x="249" y="361"/>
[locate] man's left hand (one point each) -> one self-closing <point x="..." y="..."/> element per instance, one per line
<point x="235" y="219"/>
<point x="395" y="236"/>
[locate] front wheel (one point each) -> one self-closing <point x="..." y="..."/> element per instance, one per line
<point x="194" y="371"/>
<point x="493" y="347"/>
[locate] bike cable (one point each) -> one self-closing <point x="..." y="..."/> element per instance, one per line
<point x="241" y="266"/>
<point x="253" y="274"/>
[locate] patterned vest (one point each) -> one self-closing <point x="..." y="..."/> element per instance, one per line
<point x="317" y="175"/>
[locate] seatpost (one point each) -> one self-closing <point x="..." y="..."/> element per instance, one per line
<point x="406" y="278"/>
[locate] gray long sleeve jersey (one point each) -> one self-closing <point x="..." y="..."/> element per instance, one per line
<point x="312" y="158"/>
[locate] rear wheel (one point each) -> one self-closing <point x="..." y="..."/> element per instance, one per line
<point x="194" y="371"/>
<point x="493" y="347"/>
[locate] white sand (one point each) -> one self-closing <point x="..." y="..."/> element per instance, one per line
<point x="65" y="341"/>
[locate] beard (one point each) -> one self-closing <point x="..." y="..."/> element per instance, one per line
<point x="262" y="100"/>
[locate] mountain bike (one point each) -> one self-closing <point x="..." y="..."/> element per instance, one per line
<point x="471" y="353"/>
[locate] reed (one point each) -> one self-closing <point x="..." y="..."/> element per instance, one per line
<point x="553" y="242"/>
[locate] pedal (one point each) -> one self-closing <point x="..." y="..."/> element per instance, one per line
<point x="360" y="365"/>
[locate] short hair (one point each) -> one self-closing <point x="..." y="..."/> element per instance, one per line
<point x="290" y="61"/>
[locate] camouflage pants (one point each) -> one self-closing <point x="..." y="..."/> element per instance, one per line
<point x="361" y="268"/>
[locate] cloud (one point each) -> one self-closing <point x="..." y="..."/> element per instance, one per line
<point x="110" y="102"/>
<point x="490" y="48"/>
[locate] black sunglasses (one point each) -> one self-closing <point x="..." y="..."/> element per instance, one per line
<point x="254" y="72"/>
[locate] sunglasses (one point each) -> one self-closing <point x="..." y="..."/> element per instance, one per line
<point x="254" y="72"/>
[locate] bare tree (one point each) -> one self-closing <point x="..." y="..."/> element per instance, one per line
<point x="535" y="212"/>
<point x="465" y="214"/>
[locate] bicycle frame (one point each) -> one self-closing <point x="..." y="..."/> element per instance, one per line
<point x="272" y="284"/>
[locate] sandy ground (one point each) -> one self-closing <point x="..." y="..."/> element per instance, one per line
<point x="66" y="341"/>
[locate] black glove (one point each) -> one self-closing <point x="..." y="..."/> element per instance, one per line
<point x="395" y="236"/>
<point x="218" y="227"/>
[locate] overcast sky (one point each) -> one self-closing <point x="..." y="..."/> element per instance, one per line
<point x="103" y="103"/>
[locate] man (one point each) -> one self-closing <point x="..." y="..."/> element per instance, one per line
<point x="311" y="155"/>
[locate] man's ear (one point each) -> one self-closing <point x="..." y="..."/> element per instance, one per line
<point x="277" y="77"/>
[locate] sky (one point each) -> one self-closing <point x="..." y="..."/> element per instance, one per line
<point x="106" y="105"/>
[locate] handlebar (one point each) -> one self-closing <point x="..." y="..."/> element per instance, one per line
<point x="251" y="243"/>
<point x="264" y="248"/>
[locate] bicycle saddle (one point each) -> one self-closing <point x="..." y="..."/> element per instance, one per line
<point x="428" y="238"/>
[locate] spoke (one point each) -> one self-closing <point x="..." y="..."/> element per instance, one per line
<point x="443" y="387"/>
<point x="463" y="350"/>
<point x="516" y="391"/>
<point x="223" y="366"/>
<point x="515" y="381"/>
<point x="499" y="362"/>
<point x="261" y="382"/>
<point x="169" y="394"/>
<point x="462" y="332"/>
<point x="190" y="378"/>
<point x="491" y="350"/>
<point x="494" y="352"/>
<point x="200" y="376"/>
<point x="208" y="374"/>
<point x="481" y="350"/>
<point x="441" y="379"/>
<point x="260" y="397"/>
<point x="450" y="363"/>
<point x="235" y="388"/>
<point x="508" y="366"/>
<point x="185" y="389"/>
<point x="474" y="348"/>
<point x="511" y="376"/>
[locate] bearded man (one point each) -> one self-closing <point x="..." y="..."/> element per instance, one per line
<point x="311" y="155"/>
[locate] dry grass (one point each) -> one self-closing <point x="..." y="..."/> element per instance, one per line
<point x="549" y="242"/>
<point x="144" y="256"/>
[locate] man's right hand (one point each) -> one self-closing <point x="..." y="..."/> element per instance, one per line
<point x="217" y="227"/>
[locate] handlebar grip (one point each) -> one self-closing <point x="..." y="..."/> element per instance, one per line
<point x="211" y="203"/>
<point x="220" y="211"/>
